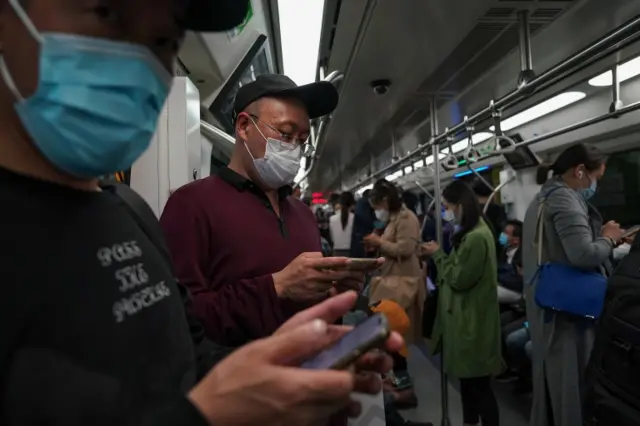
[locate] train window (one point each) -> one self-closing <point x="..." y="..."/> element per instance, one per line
<point x="252" y="65"/>
<point x="618" y="196"/>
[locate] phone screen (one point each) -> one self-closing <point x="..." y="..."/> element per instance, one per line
<point x="629" y="232"/>
<point x="364" y="337"/>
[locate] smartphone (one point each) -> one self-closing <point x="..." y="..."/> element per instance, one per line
<point x="361" y="265"/>
<point x="370" y="334"/>
<point x="631" y="231"/>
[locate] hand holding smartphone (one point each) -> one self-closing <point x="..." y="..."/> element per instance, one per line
<point x="630" y="232"/>
<point x="370" y="334"/>
<point x="360" y="265"/>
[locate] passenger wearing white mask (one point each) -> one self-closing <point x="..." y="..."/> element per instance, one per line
<point x="401" y="278"/>
<point x="249" y="251"/>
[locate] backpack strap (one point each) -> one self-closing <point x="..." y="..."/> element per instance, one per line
<point x="142" y="214"/>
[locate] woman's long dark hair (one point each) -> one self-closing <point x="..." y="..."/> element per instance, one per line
<point x="347" y="200"/>
<point x="385" y="190"/>
<point x="571" y="157"/>
<point x="459" y="193"/>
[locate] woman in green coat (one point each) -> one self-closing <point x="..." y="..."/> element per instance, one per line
<point x="467" y="327"/>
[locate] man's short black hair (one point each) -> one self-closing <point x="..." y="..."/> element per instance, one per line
<point x="517" y="227"/>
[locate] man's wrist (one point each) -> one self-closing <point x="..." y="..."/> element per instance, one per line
<point x="280" y="283"/>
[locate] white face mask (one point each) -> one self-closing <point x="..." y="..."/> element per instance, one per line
<point x="382" y="215"/>
<point x="449" y="216"/>
<point x="280" y="164"/>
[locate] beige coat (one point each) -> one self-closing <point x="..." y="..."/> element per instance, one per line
<point x="401" y="278"/>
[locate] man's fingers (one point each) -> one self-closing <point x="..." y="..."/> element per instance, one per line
<point x="395" y="342"/>
<point x="297" y="343"/>
<point x="368" y="383"/>
<point x="324" y="385"/>
<point x="377" y="362"/>
<point x="330" y="262"/>
<point x="349" y="284"/>
<point x="329" y="311"/>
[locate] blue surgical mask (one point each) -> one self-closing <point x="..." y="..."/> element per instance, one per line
<point x="589" y="192"/>
<point x="504" y="240"/>
<point x="97" y="104"/>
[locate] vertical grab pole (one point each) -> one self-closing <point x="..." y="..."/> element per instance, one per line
<point x="444" y="382"/>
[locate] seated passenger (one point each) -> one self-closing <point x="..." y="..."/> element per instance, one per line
<point x="516" y="344"/>
<point x="509" y="281"/>
<point x="251" y="254"/>
<point x="93" y="330"/>
<point x="575" y="236"/>
<point x="467" y="328"/>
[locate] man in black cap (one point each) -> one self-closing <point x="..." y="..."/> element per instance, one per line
<point x="92" y="325"/>
<point x="249" y="252"/>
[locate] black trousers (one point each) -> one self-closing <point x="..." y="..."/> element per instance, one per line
<point x="479" y="402"/>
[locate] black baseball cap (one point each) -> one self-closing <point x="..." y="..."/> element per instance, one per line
<point x="215" y="15"/>
<point x="320" y="98"/>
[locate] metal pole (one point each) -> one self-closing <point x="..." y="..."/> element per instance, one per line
<point x="526" y="61"/>
<point x="605" y="45"/>
<point x="422" y="188"/>
<point x="444" y="381"/>
<point x="480" y="178"/>
<point x="495" y="191"/>
<point x="616" y="103"/>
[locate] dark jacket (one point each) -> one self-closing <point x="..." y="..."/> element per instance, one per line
<point x="509" y="278"/>
<point x="362" y="226"/>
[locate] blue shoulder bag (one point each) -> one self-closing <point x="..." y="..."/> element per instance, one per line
<point x="563" y="288"/>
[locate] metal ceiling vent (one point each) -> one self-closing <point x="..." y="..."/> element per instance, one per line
<point x="493" y="38"/>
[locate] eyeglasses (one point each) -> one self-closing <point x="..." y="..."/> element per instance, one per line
<point x="287" y="140"/>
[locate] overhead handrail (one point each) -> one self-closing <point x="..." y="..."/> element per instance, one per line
<point x="577" y="126"/>
<point x="499" y="136"/>
<point x="215" y="133"/>
<point x="608" y="44"/>
<point x="471" y="154"/>
<point x="450" y="161"/>
<point x="495" y="191"/>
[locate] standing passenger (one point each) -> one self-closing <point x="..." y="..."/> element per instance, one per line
<point x="401" y="278"/>
<point x="363" y="225"/>
<point x="573" y="235"/>
<point x="467" y="328"/>
<point x="248" y="251"/>
<point x="341" y="225"/>
<point x="93" y="330"/>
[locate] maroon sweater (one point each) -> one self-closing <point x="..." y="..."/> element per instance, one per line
<point x="226" y="241"/>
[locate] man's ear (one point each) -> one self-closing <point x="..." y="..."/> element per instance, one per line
<point x="242" y="124"/>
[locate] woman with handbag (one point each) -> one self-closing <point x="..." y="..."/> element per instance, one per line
<point x="401" y="278"/>
<point x="566" y="255"/>
<point x="467" y="328"/>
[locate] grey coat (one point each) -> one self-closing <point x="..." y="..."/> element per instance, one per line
<point x="561" y="345"/>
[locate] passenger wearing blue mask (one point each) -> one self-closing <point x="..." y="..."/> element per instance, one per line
<point x="509" y="281"/>
<point x="574" y="235"/>
<point x="93" y="329"/>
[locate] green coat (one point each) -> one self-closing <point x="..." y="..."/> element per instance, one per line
<point x="468" y="320"/>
